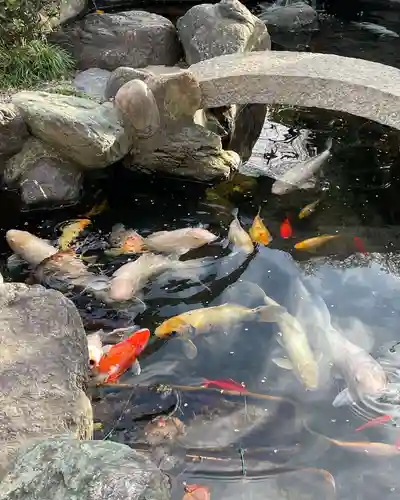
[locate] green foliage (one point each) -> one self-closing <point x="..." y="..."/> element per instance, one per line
<point x="32" y="62"/>
<point x="26" y="58"/>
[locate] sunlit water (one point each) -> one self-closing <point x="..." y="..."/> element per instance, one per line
<point x="283" y="450"/>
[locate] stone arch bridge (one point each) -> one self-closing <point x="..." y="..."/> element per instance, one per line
<point x="363" y="88"/>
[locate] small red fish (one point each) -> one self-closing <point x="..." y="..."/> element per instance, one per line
<point x="360" y="245"/>
<point x="225" y="384"/>
<point x="374" y="422"/>
<point x="196" y="492"/>
<point x="286" y="229"/>
<point x="120" y="357"/>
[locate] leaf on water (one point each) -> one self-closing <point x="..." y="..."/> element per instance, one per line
<point x="97" y="426"/>
<point x="196" y="492"/>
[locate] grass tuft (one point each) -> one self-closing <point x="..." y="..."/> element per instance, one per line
<point x="32" y="62"/>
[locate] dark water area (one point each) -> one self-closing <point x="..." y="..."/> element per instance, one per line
<point x="273" y="443"/>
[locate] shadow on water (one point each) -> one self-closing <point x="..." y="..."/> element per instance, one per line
<point x="280" y="437"/>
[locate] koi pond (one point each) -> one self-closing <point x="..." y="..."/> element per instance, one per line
<point x="234" y="417"/>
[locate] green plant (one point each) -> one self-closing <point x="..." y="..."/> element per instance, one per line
<point x="30" y="62"/>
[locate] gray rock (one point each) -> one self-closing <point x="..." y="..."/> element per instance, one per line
<point x="133" y="38"/>
<point x="139" y="108"/>
<point x="88" y="133"/>
<point x="43" y="175"/>
<point x="70" y="9"/>
<point x="193" y="152"/>
<point x="120" y="76"/>
<point x="208" y="31"/>
<point x="123" y="75"/>
<point x="44" y="360"/>
<point x="66" y="469"/>
<point x="174" y="144"/>
<point x="13" y="131"/>
<point x="93" y="82"/>
<point x="325" y="81"/>
<point x="291" y="17"/>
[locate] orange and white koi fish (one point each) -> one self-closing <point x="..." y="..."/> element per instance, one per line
<point x="117" y="359"/>
<point x="124" y="241"/>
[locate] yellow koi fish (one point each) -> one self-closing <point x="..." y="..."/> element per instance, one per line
<point x="70" y="231"/>
<point x="308" y="209"/>
<point x="258" y="231"/>
<point x="312" y="244"/>
<point x="205" y="319"/>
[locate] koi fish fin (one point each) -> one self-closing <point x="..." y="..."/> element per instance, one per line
<point x="283" y="363"/>
<point x="344" y="398"/>
<point x="279" y="339"/>
<point x="94" y="339"/>
<point x="329" y="143"/>
<point x="113" y="252"/>
<point x="135" y="368"/>
<point x="269" y="314"/>
<point x="235" y="213"/>
<point x="189" y="348"/>
<point x="106" y="348"/>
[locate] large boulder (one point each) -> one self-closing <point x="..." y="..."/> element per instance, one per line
<point x="44" y="367"/>
<point x="124" y="74"/>
<point x="43" y="175"/>
<point x="93" y="82"/>
<point x="208" y="31"/>
<point x="88" y="133"/>
<point x="159" y="111"/>
<point x="13" y="131"/>
<point x="133" y="38"/>
<point x="211" y="30"/>
<point x="66" y="469"/>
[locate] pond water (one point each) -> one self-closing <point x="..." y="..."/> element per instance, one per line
<point x="275" y="443"/>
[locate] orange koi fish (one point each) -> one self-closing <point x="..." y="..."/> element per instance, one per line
<point x="286" y="229"/>
<point x="258" y="231"/>
<point x="196" y="492"/>
<point x="118" y="358"/>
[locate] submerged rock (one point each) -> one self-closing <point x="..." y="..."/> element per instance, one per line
<point x="294" y="16"/>
<point x="82" y="130"/>
<point x="43" y="175"/>
<point x="13" y="131"/>
<point x="208" y="31"/>
<point x="44" y="360"/>
<point x="132" y="38"/>
<point x="67" y="469"/>
<point x="93" y="82"/>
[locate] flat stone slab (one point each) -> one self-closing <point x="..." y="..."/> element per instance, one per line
<point x="356" y="86"/>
